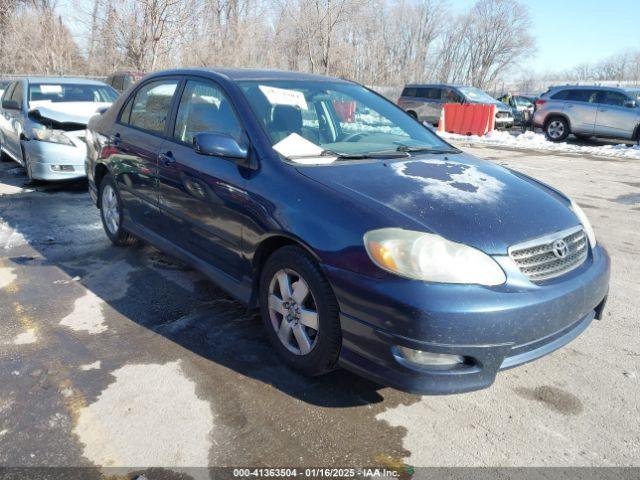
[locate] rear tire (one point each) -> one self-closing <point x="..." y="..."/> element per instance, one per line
<point x="412" y="114"/>
<point x="300" y="312"/>
<point x="111" y="214"/>
<point x="556" y="129"/>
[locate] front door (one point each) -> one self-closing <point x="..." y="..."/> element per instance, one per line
<point x="614" y="119"/>
<point x="136" y="139"/>
<point x="202" y="197"/>
<point x="13" y="123"/>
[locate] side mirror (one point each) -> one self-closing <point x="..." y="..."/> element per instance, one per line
<point x="630" y="104"/>
<point x="10" y="105"/>
<point x="219" y="145"/>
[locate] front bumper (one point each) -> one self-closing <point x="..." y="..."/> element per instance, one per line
<point x="45" y="157"/>
<point x="492" y="328"/>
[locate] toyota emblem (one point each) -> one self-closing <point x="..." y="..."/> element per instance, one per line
<point x="560" y="248"/>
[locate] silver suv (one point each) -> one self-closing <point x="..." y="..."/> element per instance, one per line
<point x="588" y="111"/>
<point x="424" y="101"/>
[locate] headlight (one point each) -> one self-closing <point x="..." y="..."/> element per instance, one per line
<point x="51" y="136"/>
<point x="591" y="235"/>
<point x="429" y="257"/>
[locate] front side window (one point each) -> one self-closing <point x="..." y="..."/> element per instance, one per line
<point x="17" y="93"/>
<point x="151" y="106"/>
<point x="340" y="117"/>
<point x="42" y="93"/>
<point x="204" y="108"/>
<point x="475" y="95"/>
<point x="613" y="98"/>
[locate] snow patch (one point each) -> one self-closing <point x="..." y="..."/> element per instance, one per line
<point x="537" y="141"/>
<point x="7" y="277"/>
<point x="26" y="338"/>
<point x="86" y="315"/>
<point x="141" y="419"/>
<point x="91" y="366"/>
<point x="451" y="181"/>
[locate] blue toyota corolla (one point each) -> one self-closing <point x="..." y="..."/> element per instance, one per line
<point x="366" y="240"/>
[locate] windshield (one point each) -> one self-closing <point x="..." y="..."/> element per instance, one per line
<point x="475" y="95"/>
<point x="342" y="118"/>
<point x="68" y="92"/>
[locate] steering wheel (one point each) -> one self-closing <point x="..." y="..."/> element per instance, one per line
<point x="353" y="137"/>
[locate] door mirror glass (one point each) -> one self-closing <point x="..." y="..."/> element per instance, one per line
<point x="630" y="104"/>
<point x="219" y="145"/>
<point x="10" y="105"/>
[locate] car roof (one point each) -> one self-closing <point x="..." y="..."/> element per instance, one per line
<point x="423" y="85"/>
<point x="584" y="87"/>
<point x="241" y="74"/>
<point x="62" y="80"/>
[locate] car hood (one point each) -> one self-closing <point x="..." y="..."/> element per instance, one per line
<point x="67" y="112"/>
<point x="458" y="196"/>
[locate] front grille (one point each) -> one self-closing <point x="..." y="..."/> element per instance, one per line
<point x="537" y="260"/>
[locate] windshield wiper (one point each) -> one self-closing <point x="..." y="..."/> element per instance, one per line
<point x="413" y="149"/>
<point x="360" y="156"/>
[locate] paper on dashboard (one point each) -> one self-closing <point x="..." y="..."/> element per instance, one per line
<point x="300" y="150"/>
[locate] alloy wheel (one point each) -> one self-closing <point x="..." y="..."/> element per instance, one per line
<point x="110" y="209"/>
<point x="555" y="129"/>
<point x="293" y="312"/>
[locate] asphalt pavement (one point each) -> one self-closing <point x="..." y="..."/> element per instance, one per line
<point x="124" y="357"/>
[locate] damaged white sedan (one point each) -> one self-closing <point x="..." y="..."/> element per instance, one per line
<point x="43" y="122"/>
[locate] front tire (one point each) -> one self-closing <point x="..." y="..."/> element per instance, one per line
<point x="300" y="312"/>
<point x="111" y="214"/>
<point x="557" y="129"/>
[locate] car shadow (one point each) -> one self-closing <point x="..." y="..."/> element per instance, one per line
<point x="158" y="293"/>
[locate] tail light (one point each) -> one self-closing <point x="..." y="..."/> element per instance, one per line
<point x="539" y="103"/>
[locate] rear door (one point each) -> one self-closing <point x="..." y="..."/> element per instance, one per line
<point x="614" y="119"/>
<point x="137" y="137"/>
<point x="582" y="109"/>
<point x="432" y="103"/>
<point x="202" y="198"/>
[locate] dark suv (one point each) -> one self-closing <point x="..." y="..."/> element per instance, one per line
<point x="588" y="111"/>
<point x="123" y="80"/>
<point x="365" y="239"/>
<point x="425" y="101"/>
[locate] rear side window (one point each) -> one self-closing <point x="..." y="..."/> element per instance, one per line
<point x="151" y="107"/>
<point x="204" y="108"/>
<point x="409" y="92"/>
<point x="561" y="95"/>
<point x="587" y="96"/>
<point x="612" y="98"/>
<point x="430" y="93"/>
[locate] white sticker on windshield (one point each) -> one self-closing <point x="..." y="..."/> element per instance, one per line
<point x="282" y="96"/>
<point x="300" y="150"/>
<point x="51" y="88"/>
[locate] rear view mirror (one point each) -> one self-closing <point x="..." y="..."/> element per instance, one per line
<point x="630" y="104"/>
<point x="10" y="105"/>
<point x="219" y="145"/>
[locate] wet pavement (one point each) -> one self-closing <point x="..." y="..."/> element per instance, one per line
<point x="123" y="357"/>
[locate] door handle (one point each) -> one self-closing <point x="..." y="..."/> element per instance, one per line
<point x="167" y="158"/>
<point x="603" y="109"/>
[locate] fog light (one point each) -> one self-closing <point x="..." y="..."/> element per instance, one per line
<point x="421" y="358"/>
<point x="62" y="168"/>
